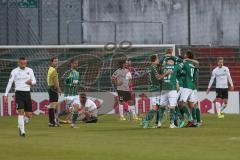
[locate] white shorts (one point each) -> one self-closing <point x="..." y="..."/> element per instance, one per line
<point x="70" y="99"/>
<point x="169" y="98"/>
<point x="194" y="97"/>
<point x="155" y="98"/>
<point x="189" y="95"/>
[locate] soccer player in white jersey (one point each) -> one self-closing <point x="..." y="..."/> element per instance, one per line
<point x="122" y="78"/>
<point x="86" y="107"/>
<point x="23" y="78"/>
<point x="222" y="75"/>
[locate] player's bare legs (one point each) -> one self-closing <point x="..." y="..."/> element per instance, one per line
<point x="75" y="109"/>
<point x="220" y="107"/>
<point x="225" y="102"/>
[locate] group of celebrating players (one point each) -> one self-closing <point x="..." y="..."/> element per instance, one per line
<point x="173" y="82"/>
<point x="173" y="86"/>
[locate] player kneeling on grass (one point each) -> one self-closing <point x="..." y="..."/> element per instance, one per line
<point x="84" y="107"/>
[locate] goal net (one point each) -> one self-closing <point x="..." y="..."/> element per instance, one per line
<point x="96" y="63"/>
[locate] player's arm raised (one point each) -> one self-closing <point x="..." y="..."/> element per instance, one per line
<point x="195" y="62"/>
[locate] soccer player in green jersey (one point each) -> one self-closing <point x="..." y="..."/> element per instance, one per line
<point x="181" y="109"/>
<point x="188" y="96"/>
<point x="155" y="78"/>
<point x="168" y="53"/>
<point x="170" y="86"/>
<point x="71" y="85"/>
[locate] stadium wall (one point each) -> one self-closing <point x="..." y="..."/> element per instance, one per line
<point x="90" y="22"/>
<point x="108" y="104"/>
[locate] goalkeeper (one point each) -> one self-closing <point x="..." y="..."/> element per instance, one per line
<point x="71" y="87"/>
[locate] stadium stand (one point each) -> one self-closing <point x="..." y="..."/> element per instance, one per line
<point x="207" y="57"/>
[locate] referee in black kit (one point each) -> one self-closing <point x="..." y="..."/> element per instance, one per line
<point x="23" y="78"/>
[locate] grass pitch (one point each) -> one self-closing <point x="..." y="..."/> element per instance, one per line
<point x="217" y="139"/>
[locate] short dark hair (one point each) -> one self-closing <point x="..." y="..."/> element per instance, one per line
<point x="121" y="63"/>
<point x="168" y="50"/>
<point x="153" y="58"/>
<point x="72" y="60"/>
<point x="22" y="58"/>
<point x="52" y="59"/>
<point x="190" y="54"/>
<point x="83" y="95"/>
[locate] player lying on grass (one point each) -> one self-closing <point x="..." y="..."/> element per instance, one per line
<point x="85" y="108"/>
<point x="155" y="78"/>
<point x="71" y="87"/>
<point x="222" y="75"/>
<point x="122" y="78"/>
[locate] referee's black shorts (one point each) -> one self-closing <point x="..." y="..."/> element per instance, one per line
<point x="222" y="93"/>
<point x="53" y="95"/>
<point x="23" y="100"/>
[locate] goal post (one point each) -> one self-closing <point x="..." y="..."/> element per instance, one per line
<point x="96" y="65"/>
<point x="96" y="62"/>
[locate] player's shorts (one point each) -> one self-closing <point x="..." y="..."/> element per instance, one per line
<point x="180" y="92"/>
<point x="222" y="93"/>
<point x="124" y="96"/>
<point x="70" y="99"/>
<point x="169" y="98"/>
<point x="155" y="98"/>
<point x="186" y="94"/>
<point x="23" y="100"/>
<point x="194" y="97"/>
<point x="189" y="95"/>
<point x="53" y="95"/>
